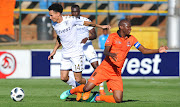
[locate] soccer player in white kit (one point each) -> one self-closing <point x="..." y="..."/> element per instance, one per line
<point x="85" y="40"/>
<point x="72" y="54"/>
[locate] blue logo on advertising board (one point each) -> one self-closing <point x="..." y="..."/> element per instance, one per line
<point x="135" y="65"/>
<point x="138" y="64"/>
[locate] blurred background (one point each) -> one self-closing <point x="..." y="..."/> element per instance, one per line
<point x="26" y="23"/>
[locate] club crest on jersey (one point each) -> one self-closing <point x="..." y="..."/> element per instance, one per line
<point x="128" y="44"/>
<point x="118" y="42"/>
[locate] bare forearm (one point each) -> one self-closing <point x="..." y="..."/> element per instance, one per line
<point x="86" y="23"/>
<point x="150" y="51"/>
<point x="56" y="46"/>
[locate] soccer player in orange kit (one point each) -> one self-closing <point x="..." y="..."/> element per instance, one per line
<point x="117" y="47"/>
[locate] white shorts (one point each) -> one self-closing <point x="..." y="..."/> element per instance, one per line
<point x="89" y="52"/>
<point x="76" y="64"/>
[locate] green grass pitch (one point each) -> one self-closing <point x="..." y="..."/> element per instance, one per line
<point x="137" y="93"/>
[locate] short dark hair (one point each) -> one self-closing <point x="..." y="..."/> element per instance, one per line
<point x="56" y="7"/>
<point x="121" y="22"/>
<point x="75" y="6"/>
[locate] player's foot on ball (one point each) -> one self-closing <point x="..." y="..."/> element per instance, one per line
<point x="78" y="97"/>
<point x="93" y="97"/>
<point x="102" y="92"/>
<point x="65" y="94"/>
<point x="86" y="95"/>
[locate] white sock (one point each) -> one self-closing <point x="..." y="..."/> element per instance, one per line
<point x="71" y="82"/>
<point x="101" y="86"/>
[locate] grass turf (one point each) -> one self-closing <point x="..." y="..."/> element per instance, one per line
<point x="137" y="93"/>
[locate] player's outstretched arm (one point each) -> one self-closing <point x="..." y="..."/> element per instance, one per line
<point x="152" y="51"/>
<point x="87" y="23"/>
<point x="58" y="44"/>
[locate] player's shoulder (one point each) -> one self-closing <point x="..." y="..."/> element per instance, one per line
<point x="113" y="34"/>
<point x="68" y="17"/>
<point x="85" y="18"/>
<point x="131" y="37"/>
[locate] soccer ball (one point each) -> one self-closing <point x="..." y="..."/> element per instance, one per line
<point x="17" y="94"/>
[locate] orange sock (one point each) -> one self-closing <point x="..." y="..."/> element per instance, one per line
<point x="78" y="89"/>
<point x="106" y="98"/>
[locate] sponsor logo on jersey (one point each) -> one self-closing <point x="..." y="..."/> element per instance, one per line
<point x="128" y="44"/>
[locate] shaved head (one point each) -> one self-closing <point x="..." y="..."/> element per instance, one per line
<point x="124" y="27"/>
<point x="123" y="22"/>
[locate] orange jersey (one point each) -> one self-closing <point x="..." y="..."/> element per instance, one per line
<point x="121" y="47"/>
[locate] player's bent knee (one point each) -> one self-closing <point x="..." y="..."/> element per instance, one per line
<point x="118" y="99"/>
<point x="78" y="80"/>
<point x="65" y="79"/>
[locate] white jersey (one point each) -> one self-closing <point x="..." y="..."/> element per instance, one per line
<point x="83" y="31"/>
<point x="66" y="31"/>
<point x="88" y="49"/>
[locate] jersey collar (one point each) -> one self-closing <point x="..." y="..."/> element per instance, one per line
<point x="118" y="32"/>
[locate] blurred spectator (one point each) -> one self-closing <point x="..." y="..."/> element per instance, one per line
<point x="102" y="38"/>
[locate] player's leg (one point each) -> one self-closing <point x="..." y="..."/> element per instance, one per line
<point x="115" y="98"/>
<point x="115" y="84"/>
<point x="95" y="64"/>
<point x="95" y="79"/>
<point x="64" y="72"/>
<point x="77" y="67"/>
<point x="79" y="78"/>
<point x="101" y="86"/>
<point x="79" y="89"/>
<point x="64" y="75"/>
<point x="83" y="88"/>
<point x="91" y="56"/>
<point x="118" y="96"/>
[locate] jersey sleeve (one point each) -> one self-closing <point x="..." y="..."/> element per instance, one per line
<point x="109" y="40"/>
<point x="136" y="43"/>
<point x="77" y="21"/>
<point x="89" y="27"/>
<point x="74" y="21"/>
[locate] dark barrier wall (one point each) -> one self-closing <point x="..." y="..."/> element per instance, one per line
<point x="136" y="64"/>
<point x="44" y="28"/>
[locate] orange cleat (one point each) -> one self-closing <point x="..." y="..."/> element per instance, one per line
<point x="86" y="95"/>
<point x="102" y="92"/>
<point x="78" y="97"/>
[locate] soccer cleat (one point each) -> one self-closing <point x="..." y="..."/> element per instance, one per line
<point x="86" y="95"/>
<point x="93" y="98"/>
<point x="102" y="92"/>
<point x="65" y="94"/>
<point x="78" y="97"/>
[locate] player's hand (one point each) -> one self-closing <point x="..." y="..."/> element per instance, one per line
<point x="84" y="40"/>
<point x="113" y="56"/>
<point x="163" y="49"/>
<point x="106" y="27"/>
<point x="51" y="55"/>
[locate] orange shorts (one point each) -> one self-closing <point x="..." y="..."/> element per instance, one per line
<point x="101" y="74"/>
